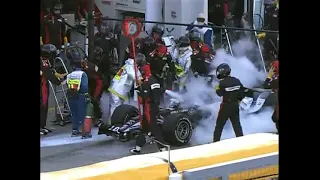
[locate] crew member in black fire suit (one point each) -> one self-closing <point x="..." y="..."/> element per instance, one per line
<point x="48" y="53"/>
<point x="160" y="62"/>
<point x="149" y="93"/>
<point x="53" y="29"/>
<point x="157" y="33"/>
<point x="97" y="69"/>
<point x="232" y="91"/>
<point x="201" y="61"/>
<point x="102" y="38"/>
<point x="272" y="82"/>
<point x="148" y="47"/>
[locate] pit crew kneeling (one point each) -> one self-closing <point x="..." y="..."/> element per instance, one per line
<point x="149" y="95"/>
<point x="122" y="83"/>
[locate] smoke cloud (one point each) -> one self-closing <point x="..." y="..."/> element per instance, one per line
<point x="198" y="92"/>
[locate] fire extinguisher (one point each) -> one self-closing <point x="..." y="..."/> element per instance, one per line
<point x="87" y="123"/>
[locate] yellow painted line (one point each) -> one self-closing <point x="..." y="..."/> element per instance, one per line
<point x="149" y="167"/>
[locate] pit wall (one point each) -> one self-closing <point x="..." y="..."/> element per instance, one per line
<point x="152" y="167"/>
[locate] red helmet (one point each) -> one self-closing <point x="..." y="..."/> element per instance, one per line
<point x="145" y="72"/>
<point x="162" y="49"/>
<point x="194" y="44"/>
<point x="205" y="48"/>
<point x="275" y="66"/>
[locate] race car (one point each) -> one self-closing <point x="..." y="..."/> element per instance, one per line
<point x="257" y="99"/>
<point x="177" y="123"/>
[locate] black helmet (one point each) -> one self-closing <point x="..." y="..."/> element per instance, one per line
<point x="183" y="41"/>
<point x="57" y="8"/>
<point x="48" y="51"/>
<point x="194" y="36"/>
<point x="104" y="27"/>
<point x="117" y="29"/>
<point x="223" y="70"/>
<point x="97" y="54"/>
<point x="149" y="41"/>
<point x="140" y="59"/>
<point x="73" y="55"/>
<point x="158" y="29"/>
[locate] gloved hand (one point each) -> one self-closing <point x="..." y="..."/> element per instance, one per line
<point x="63" y="82"/>
<point x="217" y="87"/>
<point x="65" y="40"/>
<point x="87" y="98"/>
<point x="261" y="35"/>
<point x="60" y="76"/>
<point x="40" y="73"/>
<point x="41" y="42"/>
<point x="83" y="22"/>
<point x="271" y="73"/>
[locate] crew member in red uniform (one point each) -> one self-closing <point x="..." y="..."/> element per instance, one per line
<point x="162" y="65"/>
<point x="201" y="61"/>
<point x="272" y="82"/>
<point x="48" y="52"/>
<point x="52" y="27"/>
<point x="195" y="41"/>
<point x="150" y="94"/>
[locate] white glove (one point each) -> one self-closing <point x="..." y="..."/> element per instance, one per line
<point x="40" y="73"/>
<point x="64" y="82"/>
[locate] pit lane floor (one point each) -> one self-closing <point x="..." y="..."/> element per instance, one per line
<point x="59" y="151"/>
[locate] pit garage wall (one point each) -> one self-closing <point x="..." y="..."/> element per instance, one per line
<point x="174" y="11"/>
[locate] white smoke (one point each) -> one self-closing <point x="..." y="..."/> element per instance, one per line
<point x="198" y="91"/>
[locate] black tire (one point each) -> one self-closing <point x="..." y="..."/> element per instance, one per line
<point x="123" y="113"/>
<point x="171" y="127"/>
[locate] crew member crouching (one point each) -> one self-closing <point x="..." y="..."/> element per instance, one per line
<point x="123" y="81"/>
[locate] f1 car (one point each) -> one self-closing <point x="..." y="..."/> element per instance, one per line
<point x="257" y="99"/>
<point x="177" y="123"/>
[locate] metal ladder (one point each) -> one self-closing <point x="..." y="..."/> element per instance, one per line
<point x="63" y="115"/>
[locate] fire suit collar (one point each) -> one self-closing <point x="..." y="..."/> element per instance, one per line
<point x="130" y="61"/>
<point x="78" y="69"/>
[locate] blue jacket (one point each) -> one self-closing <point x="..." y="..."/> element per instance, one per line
<point x="84" y="87"/>
<point x="207" y="34"/>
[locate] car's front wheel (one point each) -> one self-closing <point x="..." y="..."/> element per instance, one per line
<point x="177" y="129"/>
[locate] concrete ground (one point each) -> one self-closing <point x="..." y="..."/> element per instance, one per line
<point x="59" y="151"/>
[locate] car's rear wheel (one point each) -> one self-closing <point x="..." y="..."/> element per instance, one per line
<point x="177" y="129"/>
<point x="123" y="113"/>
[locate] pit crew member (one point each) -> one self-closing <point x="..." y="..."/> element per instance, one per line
<point x="272" y="82"/>
<point x="52" y="27"/>
<point x="182" y="59"/>
<point x="162" y="65"/>
<point x="206" y="32"/>
<point x="149" y="93"/>
<point x="232" y="91"/>
<point x="47" y="54"/>
<point x="77" y="93"/>
<point x="123" y="81"/>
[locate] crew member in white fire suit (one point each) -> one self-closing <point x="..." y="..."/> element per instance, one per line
<point x="182" y="59"/>
<point x="207" y="35"/>
<point x="122" y="82"/>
